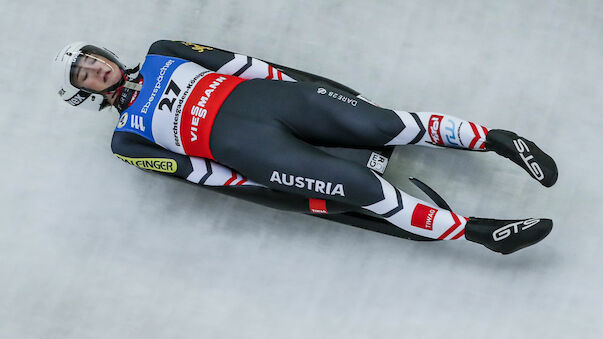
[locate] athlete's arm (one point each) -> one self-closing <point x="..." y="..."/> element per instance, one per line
<point x="247" y="67"/>
<point x="219" y="60"/>
<point x="140" y="152"/>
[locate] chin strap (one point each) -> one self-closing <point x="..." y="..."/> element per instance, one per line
<point x="127" y="86"/>
<point x="132" y="85"/>
<point x="126" y="76"/>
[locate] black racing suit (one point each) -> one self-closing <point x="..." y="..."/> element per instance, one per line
<point x="267" y="137"/>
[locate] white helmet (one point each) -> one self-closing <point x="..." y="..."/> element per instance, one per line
<point x="64" y="64"/>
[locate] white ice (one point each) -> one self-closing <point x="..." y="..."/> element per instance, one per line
<point x="93" y="248"/>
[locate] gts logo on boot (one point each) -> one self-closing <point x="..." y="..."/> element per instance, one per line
<point x="505" y="231"/>
<point x="533" y="166"/>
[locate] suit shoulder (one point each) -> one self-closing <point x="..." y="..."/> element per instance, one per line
<point x="124" y="142"/>
<point x="160" y="46"/>
<point x="117" y="142"/>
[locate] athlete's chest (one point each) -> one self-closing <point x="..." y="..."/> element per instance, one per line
<point x="173" y="103"/>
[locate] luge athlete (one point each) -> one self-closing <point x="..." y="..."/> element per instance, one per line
<point x="217" y="118"/>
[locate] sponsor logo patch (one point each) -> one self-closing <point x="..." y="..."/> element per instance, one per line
<point x="78" y="98"/>
<point x="176" y="123"/>
<point x="532" y="165"/>
<point x="158" y="84"/>
<point x="137" y="122"/>
<point x="318" y="206"/>
<point x="123" y="120"/>
<point x="377" y="162"/>
<point x="195" y="47"/>
<point x="154" y="164"/>
<point x="423" y="217"/>
<point x="352" y="101"/>
<point x="450" y="136"/>
<point x="198" y="110"/>
<point x="434" y="129"/>
<point x="516" y="227"/>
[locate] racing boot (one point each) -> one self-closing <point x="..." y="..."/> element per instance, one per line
<point x="507" y="236"/>
<point x="524" y="153"/>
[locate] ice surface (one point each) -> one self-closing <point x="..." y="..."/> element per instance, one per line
<point x="93" y="248"/>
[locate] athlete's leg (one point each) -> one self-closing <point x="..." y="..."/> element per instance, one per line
<point x="282" y="162"/>
<point x="337" y="117"/>
<point x="325" y="116"/>
<point x="331" y="117"/>
<point x="246" y="136"/>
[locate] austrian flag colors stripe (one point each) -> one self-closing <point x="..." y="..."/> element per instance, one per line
<point x="274" y="74"/>
<point x="200" y="111"/>
<point x="449" y="231"/>
<point x="233" y="179"/>
<point x="477" y="137"/>
<point x="485" y="133"/>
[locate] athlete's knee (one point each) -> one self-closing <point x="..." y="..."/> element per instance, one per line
<point x="389" y="124"/>
<point x="372" y="193"/>
<point x="360" y="186"/>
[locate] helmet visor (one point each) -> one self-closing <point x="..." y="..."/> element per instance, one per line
<point x="95" y="70"/>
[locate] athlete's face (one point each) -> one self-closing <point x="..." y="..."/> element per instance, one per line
<point x="95" y="72"/>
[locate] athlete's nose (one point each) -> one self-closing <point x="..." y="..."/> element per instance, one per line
<point x="101" y="70"/>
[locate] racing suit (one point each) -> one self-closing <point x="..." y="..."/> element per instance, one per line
<point x="218" y="118"/>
